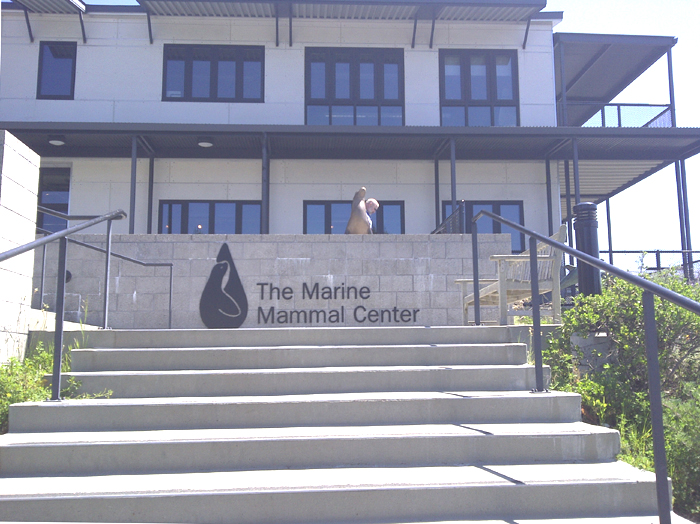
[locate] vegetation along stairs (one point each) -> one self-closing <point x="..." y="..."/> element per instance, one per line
<point x="313" y="425"/>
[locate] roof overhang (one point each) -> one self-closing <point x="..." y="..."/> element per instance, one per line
<point x="598" y="67"/>
<point x="63" y="7"/>
<point x="610" y="159"/>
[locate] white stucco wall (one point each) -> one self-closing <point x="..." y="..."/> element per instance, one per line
<point x="119" y="73"/>
<point x="99" y="185"/>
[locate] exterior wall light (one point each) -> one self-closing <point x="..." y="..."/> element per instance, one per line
<point x="57" y="140"/>
<point x="205" y="141"/>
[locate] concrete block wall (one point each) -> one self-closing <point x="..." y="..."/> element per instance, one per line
<point x="406" y="279"/>
<point x="19" y="183"/>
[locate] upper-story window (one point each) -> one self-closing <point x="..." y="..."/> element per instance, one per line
<point x="56" y="70"/>
<point x="354" y="86"/>
<point x="478" y="88"/>
<point x="213" y="73"/>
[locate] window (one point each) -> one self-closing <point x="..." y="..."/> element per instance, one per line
<point x="209" y="216"/>
<point x="54" y="187"/>
<point x="331" y="217"/>
<point x="354" y="87"/>
<point x="56" y="70"/>
<point x="213" y="73"/>
<point x="509" y="209"/>
<point x="478" y="88"/>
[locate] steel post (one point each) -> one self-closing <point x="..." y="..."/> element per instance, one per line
<point x="657" y="422"/>
<point x="536" y="328"/>
<point x="475" y="266"/>
<point x="58" y="330"/>
<point x="108" y="260"/>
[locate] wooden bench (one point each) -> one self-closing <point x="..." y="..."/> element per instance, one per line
<point x="514" y="280"/>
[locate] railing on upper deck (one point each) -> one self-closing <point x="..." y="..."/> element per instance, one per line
<point x="627" y="115"/>
<point x="650" y="336"/>
<point x="455" y="223"/>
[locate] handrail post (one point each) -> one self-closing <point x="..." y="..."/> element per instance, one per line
<point x="475" y="264"/>
<point x="108" y="258"/>
<point x="43" y="275"/>
<point x="536" y="329"/>
<point x="170" y="300"/>
<point x="58" y="331"/>
<point x="651" y="339"/>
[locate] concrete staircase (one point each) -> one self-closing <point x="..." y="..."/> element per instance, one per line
<point x="314" y="425"/>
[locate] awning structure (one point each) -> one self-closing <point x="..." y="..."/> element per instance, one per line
<point x="63" y="7"/>
<point x="596" y="68"/>
<point x="610" y="159"/>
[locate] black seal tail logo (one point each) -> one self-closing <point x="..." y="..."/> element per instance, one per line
<point x="223" y="305"/>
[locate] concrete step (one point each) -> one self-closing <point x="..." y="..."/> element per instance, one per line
<point x="251" y="357"/>
<point x="305" y="381"/>
<point x="129" y="452"/>
<point x="341" y="409"/>
<point x="337" y="495"/>
<point x="293" y="336"/>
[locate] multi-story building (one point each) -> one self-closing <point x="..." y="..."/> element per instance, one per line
<point x="265" y="117"/>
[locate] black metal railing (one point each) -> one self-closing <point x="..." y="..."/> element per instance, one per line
<point x="455" y="223"/>
<point x="105" y="301"/>
<point x="681" y="258"/>
<point x="627" y="115"/>
<point x="61" y="237"/>
<point x="650" y="336"/>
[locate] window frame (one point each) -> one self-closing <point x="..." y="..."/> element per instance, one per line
<point x="331" y="56"/>
<point x="41" y="218"/>
<point x="377" y="220"/>
<point x="492" y="100"/>
<point x="212" y="215"/>
<point x="216" y="53"/>
<point x="496" y="204"/>
<point x="40" y="73"/>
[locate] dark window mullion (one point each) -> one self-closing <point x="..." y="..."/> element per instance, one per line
<point x="239" y="218"/>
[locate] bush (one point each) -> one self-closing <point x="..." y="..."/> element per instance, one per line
<point x="615" y="393"/>
<point x="25" y="381"/>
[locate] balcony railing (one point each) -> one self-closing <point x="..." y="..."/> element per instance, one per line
<point x="627" y="115"/>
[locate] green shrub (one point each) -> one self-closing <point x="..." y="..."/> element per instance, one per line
<point x="615" y="393"/>
<point x="25" y="381"/>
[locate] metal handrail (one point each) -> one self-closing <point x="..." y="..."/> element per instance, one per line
<point x="650" y="336"/>
<point x="454" y="223"/>
<point x="106" y="286"/>
<point x="61" y="236"/>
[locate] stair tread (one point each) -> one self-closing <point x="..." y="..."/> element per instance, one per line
<point x="390" y="396"/>
<point x="330" y="479"/>
<point x="316" y="432"/>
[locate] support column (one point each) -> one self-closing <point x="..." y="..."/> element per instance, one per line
<point x="453" y="173"/>
<point x="265" y="190"/>
<point x="681" y="218"/>
<point x="550" y="218"/>
<point x="577" y="180"/>
<point x="132" y="193"/>
<point x="610" y="246"/>
<point x="151" y="169"/>
<point x="437" y="193"/>
<point x="686" y="210"/>
<point x="569" y="214"/>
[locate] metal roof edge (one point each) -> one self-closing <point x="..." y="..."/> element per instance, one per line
<point x="601" y="38"/>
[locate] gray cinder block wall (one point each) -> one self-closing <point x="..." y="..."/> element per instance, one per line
<point x="19" y="182"/>
<point x="289" y="280"/>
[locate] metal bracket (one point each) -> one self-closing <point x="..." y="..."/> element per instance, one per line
<point x="82" y="26"/>
<point x="432" y="30"/>
<point x="527" y="32"/>
<point x="29" y="26"/>
<point x="415" y="26"/>
<point x="150" y="28"/>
